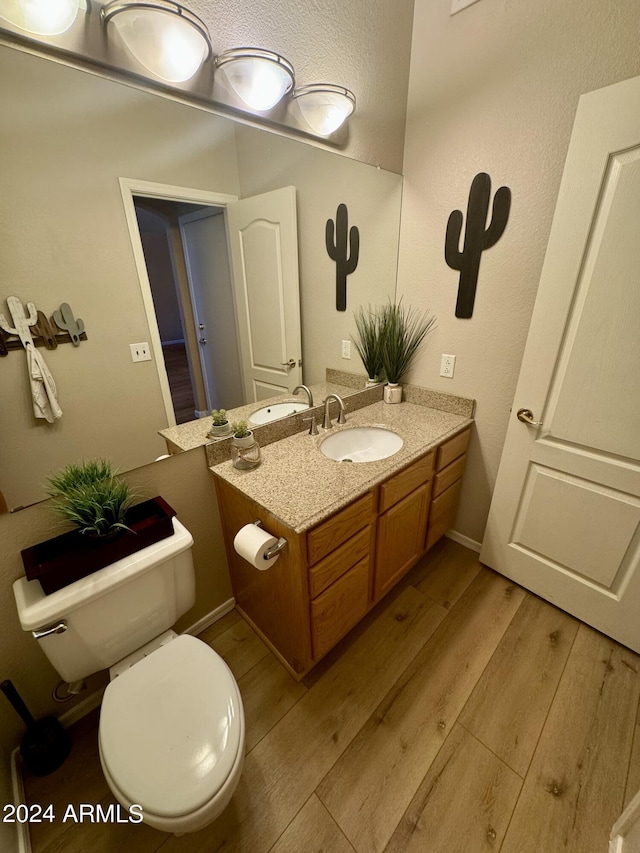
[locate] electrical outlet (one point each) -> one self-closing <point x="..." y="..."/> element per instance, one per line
<point x="140" y="352"/>
<point x="346" y="349"/>
<point x="447" y="366"/>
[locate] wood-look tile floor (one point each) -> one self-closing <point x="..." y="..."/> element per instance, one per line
<point x="464" y="714"/>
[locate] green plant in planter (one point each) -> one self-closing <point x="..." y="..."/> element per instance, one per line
<point x="91" y="496"/>
<point x="370" y="326"/>
<point x="240" y="429"/>
<point x="404" y="332"/>
<point x="219" y="417"/>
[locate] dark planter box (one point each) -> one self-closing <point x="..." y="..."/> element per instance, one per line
<point x="67" y="558"/>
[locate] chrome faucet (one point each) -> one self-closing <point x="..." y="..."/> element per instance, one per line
<point x="309" y="394"/>
<point x="326" y="421"/>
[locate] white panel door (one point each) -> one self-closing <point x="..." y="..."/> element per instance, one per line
<point x="565" y="516"/>
<point x="263" y="240"/>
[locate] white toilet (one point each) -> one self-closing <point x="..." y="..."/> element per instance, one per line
<point x="171" y="733"/>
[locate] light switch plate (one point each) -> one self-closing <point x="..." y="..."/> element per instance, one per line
<point x="140" y="352"/>
<point x="346" y="349"/>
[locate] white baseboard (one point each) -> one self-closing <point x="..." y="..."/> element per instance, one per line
<point x="22" y="829"/>
<point x="199" y="626"/>
<point x="464" y="540"/>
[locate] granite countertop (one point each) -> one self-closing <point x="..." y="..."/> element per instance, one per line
<point x="194" y="433"/>
<point x="301" y="486"/>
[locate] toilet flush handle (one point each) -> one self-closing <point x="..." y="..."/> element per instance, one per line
<point x="58" y="628"/>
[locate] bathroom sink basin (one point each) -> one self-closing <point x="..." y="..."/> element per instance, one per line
<point x="361" y="444"/>
<point x="277" y="410"/>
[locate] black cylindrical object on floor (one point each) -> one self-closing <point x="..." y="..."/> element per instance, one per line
<point x="46" y="742"/>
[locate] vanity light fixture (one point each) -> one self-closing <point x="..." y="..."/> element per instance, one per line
<point x="324" y="106"/>
<point x="260" y="78"/>
<point x="41" y="17"/>
<point x="169" y="40"/>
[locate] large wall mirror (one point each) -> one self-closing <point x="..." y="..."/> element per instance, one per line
<point x="71" y="140"/>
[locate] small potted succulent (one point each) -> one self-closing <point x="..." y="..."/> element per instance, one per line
<point x="220" y="425"/>
<point x="370" y="326"/>
<point x="404" y="332"/>
<point x="245" y="451"/>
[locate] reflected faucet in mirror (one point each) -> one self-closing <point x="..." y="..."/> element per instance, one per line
<point x="308" y="393"/>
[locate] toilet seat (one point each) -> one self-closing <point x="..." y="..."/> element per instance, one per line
<point x="172" y="729"/>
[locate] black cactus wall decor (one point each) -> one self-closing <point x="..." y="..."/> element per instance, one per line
<point x="346" y="258"/>
<point x="477" y="237"/>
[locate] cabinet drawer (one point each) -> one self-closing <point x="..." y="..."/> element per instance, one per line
<point x="451" y="449"/>
<point x="442" y="513"/>
<point x="339" y="561"/>
<point x="449" y="475"/>
<point x="327" y="536"/>
<point x="398" y="487"/>
<point x="339" y="608"/>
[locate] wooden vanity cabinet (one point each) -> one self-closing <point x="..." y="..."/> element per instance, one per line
<point x="331" y="575"/>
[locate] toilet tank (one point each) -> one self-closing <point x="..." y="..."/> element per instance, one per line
<point x="113" y="611"/>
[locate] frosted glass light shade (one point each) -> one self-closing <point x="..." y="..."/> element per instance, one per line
<point x="259" y="77"/>
<point x="166" y="38"/>
<point x="42" y="17"/>
<point x="325" y="107"/>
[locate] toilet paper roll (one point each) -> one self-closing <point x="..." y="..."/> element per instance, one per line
<point x="251" y="542"/>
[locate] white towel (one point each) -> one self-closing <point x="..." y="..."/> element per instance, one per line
<point x="43" y="388"/>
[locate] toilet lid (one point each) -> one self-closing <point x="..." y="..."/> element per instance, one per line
<point x="171" y="728"/>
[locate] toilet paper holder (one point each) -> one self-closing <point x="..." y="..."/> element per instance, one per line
<point x="278" y="548"/>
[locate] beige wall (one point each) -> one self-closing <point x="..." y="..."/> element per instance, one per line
<point x="495" y="89"/>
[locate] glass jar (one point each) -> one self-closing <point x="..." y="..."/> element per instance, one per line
<point x="245" y="452"/>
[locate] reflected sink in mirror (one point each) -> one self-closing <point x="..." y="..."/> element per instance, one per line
<point x="275" y="412"/>
<point x="361" y="444"/>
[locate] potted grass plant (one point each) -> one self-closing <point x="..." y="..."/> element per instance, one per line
<point x="220" y="425"/>
<point x="404" y="332"/>
<point x="92" y="497"/>
<point x="370" y="325"/>
<point x="108" y="526"/>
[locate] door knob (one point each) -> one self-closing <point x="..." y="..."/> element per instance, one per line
<point x="289" y="364"/>
<point x="526" y="416"/>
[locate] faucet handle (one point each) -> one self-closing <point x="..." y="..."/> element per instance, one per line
<point x="313" y="429"/>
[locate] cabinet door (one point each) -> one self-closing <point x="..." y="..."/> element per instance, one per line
<point x="400" y="539"/>
<point x="339" y="608"/>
